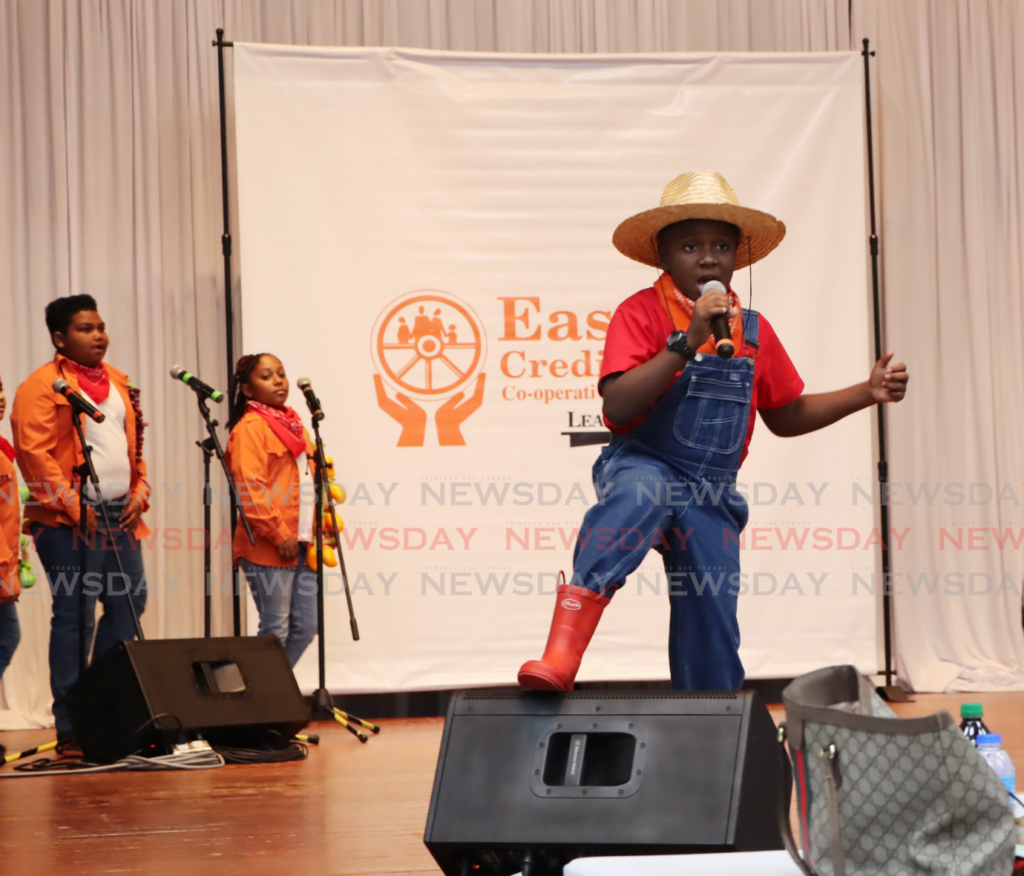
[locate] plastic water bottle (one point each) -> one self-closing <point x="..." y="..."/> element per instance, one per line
<point x="972" y="725"/>
<point x="990" y="746"/>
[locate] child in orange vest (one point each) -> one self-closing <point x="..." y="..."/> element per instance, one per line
<point x="270" y="458"/>
<point x="10" y="548"/>
<point x="48" y="450"/>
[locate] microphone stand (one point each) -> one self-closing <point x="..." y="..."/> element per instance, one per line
<point x="211" y="447"/>
<point x="322" y="703"/>
<point x="87" y="473"/>
<point x="207" y="448"/>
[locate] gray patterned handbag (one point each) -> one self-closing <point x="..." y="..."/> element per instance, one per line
<point x="879" y="795"/>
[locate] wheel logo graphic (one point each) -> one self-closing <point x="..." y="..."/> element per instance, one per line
<point x="428" y="344"/>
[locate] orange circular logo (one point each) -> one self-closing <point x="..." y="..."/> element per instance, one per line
<point x="571" y="605"/>
<point x="428" y="344"/>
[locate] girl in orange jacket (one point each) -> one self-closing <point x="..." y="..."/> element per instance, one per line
<point x="10" y="548"/>
<point x="270" y="458"/>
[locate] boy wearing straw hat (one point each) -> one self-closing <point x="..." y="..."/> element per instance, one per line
<point x="681" y="404"/>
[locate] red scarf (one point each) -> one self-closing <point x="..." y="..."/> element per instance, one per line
<point x="680" y="311"/>
<point x="94" y="381"/>
<point x="6" y="449"/>
<point x="287" y="425"/>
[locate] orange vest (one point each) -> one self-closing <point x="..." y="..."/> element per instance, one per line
<point x="267" y="476"/>
<point x="47" y="446"/>
<point x="10" y="531"/>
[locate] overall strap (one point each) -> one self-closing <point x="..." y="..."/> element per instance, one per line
<point x="751" y="326"/>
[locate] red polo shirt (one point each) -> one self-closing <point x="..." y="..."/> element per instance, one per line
<point x="639" y="329"/>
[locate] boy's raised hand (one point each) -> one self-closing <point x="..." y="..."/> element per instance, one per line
<point x="888" y="382"/>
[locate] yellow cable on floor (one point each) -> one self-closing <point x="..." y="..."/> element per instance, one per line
<point x="18" y="755"/>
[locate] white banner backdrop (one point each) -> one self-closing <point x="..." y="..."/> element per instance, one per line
<point x="427" y="235"/>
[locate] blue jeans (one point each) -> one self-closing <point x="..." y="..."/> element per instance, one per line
<point x="10" y="634"/>
<point x="74" y="565"/>
<point x="285" y="598"/>
<point x="698" y="539"/>
<point x="669" y="484"/>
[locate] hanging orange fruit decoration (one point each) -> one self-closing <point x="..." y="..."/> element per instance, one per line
<point x="330" y="557"/>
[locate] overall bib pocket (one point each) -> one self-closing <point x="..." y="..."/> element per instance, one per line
<point x="713" y="415"/>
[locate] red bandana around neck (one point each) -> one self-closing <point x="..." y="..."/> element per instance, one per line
<point x="6" y="448"/>
<point x="285" y="422"/>
<point x="95" y="382"/>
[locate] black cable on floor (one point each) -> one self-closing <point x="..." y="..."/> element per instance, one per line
<point x="276" y="749"/>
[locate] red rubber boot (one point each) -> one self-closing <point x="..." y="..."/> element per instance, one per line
<point x="577" y="611"/>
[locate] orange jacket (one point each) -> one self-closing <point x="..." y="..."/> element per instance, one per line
<point x="10" y="531"/>
<point x="267" y="476"/>
<point x="47" y="446"/>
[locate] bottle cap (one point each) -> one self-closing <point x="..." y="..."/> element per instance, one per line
<point x="971" y="710"/>
<point x="989" y="739"/>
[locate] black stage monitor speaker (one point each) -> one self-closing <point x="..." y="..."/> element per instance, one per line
<point x="229" y="690"/>
<point x="531" y="780"/>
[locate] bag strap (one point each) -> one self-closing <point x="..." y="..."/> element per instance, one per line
<point x="835" y="841"/>
<point x="785" y="802"/>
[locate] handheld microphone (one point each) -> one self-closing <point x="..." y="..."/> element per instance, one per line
<point x="196" y="385"/>
<point x="720" y="324"/>
<point x="312" y="402"/>
<point x="78" y="402"/>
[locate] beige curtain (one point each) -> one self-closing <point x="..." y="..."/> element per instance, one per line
<point x="111" y="185"/>
<point x="951" y="132"/>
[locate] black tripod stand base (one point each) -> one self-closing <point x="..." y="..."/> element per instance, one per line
<point x="893" y="693"/>
<point x="323" y="705"/>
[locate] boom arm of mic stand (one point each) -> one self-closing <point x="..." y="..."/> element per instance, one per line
<point x="344" y="573"/>
<point x="84" y="472"/>
<point x="218" y="451"/>
<point x="321" y="461"/>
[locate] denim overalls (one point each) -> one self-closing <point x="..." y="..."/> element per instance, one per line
<point x="670" y="484"/>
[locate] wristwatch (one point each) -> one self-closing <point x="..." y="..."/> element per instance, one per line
<point x="677" y="344"/>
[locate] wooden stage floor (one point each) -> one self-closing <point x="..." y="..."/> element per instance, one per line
<point x="348" y="809"/>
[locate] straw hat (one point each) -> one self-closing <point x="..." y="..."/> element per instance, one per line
<point x="697" y="195"/>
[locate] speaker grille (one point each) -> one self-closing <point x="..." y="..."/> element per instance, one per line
<point x="601" y="772"/>
<point x="610" y="695"/>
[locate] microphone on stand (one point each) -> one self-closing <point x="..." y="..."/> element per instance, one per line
<point x="78" y="402"/>
<point x="196" y="385"/>
<point x="312" y="402"/>
<point x="720" y="324"/>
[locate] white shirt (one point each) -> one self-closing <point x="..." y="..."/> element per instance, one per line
<point x="307" y="500"/>
<point x="109" y="443"/>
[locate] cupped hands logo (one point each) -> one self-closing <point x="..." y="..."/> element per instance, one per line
<point x="429" y="346"/>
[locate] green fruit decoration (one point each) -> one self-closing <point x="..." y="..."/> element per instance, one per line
<point x="25" y="573"/>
